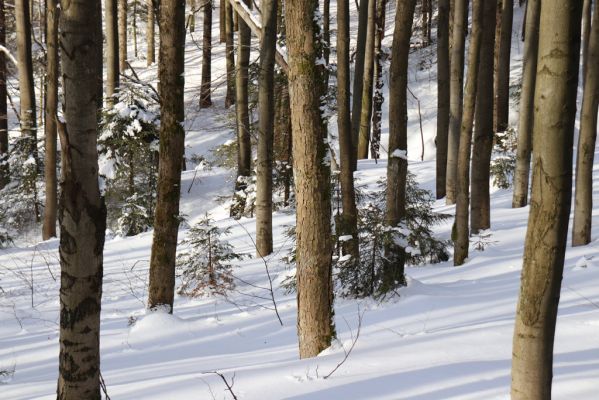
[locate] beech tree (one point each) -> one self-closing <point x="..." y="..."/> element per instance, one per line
<point x="545" y="245"/>
<point x="205" y="91"/>
<point x="229" y="55"/>
<point x="122" y="26"/>
<point x="502" y="77"/>
<point x="367" y="85"/>
<point x="442" y="95"/>
<point x="112" y="50"/>
<point x="358" y="83"/>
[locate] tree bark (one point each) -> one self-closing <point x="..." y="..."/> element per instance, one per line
<point x="397" y="164"/>
<point x="586" y="33"/>
<point x="367" y="86"/>
<point x="82" y="213"/>
<point x="583" y="208"/>
<point x="461" y="242"/>
<point x="221" y="21"/>
<point x="229" y="56"/>
<point x="244" y="145"/>
<point x="4" y="170"/>
<point x="134" y="28"/>
<point x="172" y="138"/>
<point x="266" y="128"/>
<point x="525" y="121"/>
<point x="312" y="178"/>
<point x="205" y="91"/>
<point x="442" y="95"/>
<point x="151" y="52"/>
<point x="112" y="51"/>
<point x="545" y="245"/>
<point x="378" y="96"/>
<point x="502" y="86"/>
<point x="122" y="24"/>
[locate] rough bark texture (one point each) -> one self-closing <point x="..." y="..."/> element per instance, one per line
<point x="397" y="166"/>
<point x="462" y="232"/>
<point x="151" y="47"/>
<point x="112" y="51"/>
<point x="525" y="121"/>
<point x="480" y="217"/>
<point x="312" y="180"/>
<point x="367" y="84"/>
<point x="82" y="213"/>
<point x="583" y="208"/>
<point x="244" y="145"/>
<point x="543" y="264"/>
<point x="205" y="91"/>
<point x="4" y="171"/>
<point x="122" y="24"/>
<point x="172" y="138"/>
<point x="456" y="80"/>
<point x="442" y="95"/>
<point x="229" y="56"/>
<point x="502" y="86"/>
<point x="50" y="209"/>
<point x="378" y="97"/>
<point x="266" y="128"/>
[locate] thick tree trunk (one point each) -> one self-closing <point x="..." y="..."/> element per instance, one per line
<point x="122" y="24"/>
<point x="172" y="138"/>
<point x="229" y="55"/>
<point x="49" y="227"/>
<point x="544" y="249"/>
<point x="456" y="83"/>
<point x="82" y="212"/>
<point x="397" y="164"/>
<point x="266" y="128"/>
<point x="312" y="178"/>
<point x="378" y="97"/>
<point x="480" y="217"/>
<point x="205" y="91"/>
<point x="583" y="208"/>
<point x="151" y="52"/>
<point x="4" y="170"/>
<point x="586" y="34"/>
<point x="367" y="86"/>
<point x="502" y="86"/>
<point x="525" y="121"/>
<point x="461" y="241"/>
<point x="112" y="51"/>
<point x="244" y="145"/>
<point x="442" y="95"/>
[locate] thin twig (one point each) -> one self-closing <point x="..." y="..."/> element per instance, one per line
<point x="420" y="120"/>
<point x="354" y="341"/>
<point x="229" y="386"/>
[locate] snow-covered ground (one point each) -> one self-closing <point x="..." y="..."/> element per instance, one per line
<point x="448" y="335"/>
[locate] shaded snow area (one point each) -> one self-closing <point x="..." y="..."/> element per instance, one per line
<point x="447" y="336"/>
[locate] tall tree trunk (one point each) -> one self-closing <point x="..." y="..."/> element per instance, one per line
<point x="205" y="91"/>
<point x="545" y="246"/>
<point x="221" y="21"/>
<point x="4" y="170"/>
<point x="151" y="52"/>
<point x="525" y="121"/>
<point x="82" y="213"/>
<point x="134" y="28"/>
<point x="502" y="86"/>
<point x="172" y="139"/>
<point x="266" y="128"/>
<point x="442" y="95"/>
<point x="586" y="33"/>
<point x="312" y="178"/>
<point x="366" y="111"/>
<point x="456" y="89"/>
<point x="49" y="227"/>
<point x="112" y="51"/>
<point x="229" y="55"/>
<point x="378" y="97"/>
<point x="244" y="145"/>
<point x="583" y="208"/>
<point x="326" y="32"/>
<point x="461" y="242"/>
<point x="397" y="164"/>
<point x="122" y="24"/>
<point x="480" y="217"/>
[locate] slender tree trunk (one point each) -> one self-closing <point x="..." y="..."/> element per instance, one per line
<point x="221" y="21"/>
<point x="229" y="55"/>
<point x="191" y="19"/>
<point x="586" y="33"/>
<point x="312" y="178"/>
<point x="266" y="128"/>
<point x="244" y="145"/>
<point x="461" y="242"/>
<point x="456" y="89"/>
<point x="122" y="24"/>
<point x="525" y="121"/>
<point x="82" y="213"/>
<point x="397" y="164"/>
<point x="442" y="95"/>
<point x="4" y="170"/>
<point x="205" y="97"/>
<point x="480" y="206"/>
<point x="502" y="95"/>
<point x="134" y="28"/>
<point x="367" y="85"/>
<point x="545" y="246"/>
<point x="378" y="97"/>
<point x="151" y="52"/>
<point x="583" y="208"/>
<point x="326" y="31"/>
<point x="172" y="139"/>
<point x="112" y="51"/>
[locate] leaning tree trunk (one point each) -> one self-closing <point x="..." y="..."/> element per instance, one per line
<point x="229" y="55"/>
<point x="545" y="246"/>
<point x="266" y="128"/>
<point x="462" y="233"/>
<point x="82" y="213"/>
<point x="583" y="208"/>
<point x="151" y="52"/>
<point x="312" y="178"/>
<point x="502" y="86"/>
<point x="172" y="138"/>
<point x="525" y="121"/>
<point x="49" y="227"/>
<point x="456" y="90"/>
<point x="378" y="97"/>
<point x="480" y="217"/>
<point x="4" y="170"/>
<point x="205" y="91"/>
<point x="366" y="111"/>
<point x="112" y="51"/>
<point x="122" y="24"/>
<point x="397" y="164"/>
<point x="442" y="95"/>
<point x="586" y="34"/>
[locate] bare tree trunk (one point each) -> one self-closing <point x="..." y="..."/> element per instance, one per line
<point x="397" y="165"/>
<point x="265" y="129"/>
<point x="82" y="213"/>
<point x="366" y="111"/>
<point x="244" y="145"/>
<point x="191" y="19"/>
<point x="545" y="246"/>
<point x="326" y="32"/>
<point x="502" y="86"/>
<point x="525" y="121"/>
<point x="229" y="56"/>
<point x="480" y="206"/>
<point x="456" y="89"/>
<point x="586" y="33"/>
<point x="122" y="24"/>
<point x="112" y="51"/>
<point x="221" y="21"/>
<point x="49" y="227"/>
<point x="442" y="95"/>
<point x="205" y="92"/>
<point x="172" y="139"/>
<point x="583" y="208"/>
<point x="378" y="96"/>
<point x="461" y="241"/>
<point x="312" y="178"/>
<point x="134" y="28"/>
<point x="151" y="52"/>
<point x="4" y="170"/>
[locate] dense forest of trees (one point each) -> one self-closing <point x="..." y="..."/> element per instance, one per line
<point x="306" y="71"/>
